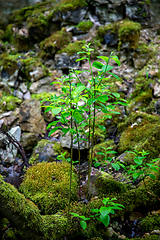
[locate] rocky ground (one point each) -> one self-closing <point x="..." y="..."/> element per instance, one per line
<point x="40" y="45"/>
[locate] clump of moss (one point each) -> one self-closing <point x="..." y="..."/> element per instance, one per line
<point x="41" y="96"/>
<point x="127" y="32"/>
<point x="85" y="26"/>
<point x="68" y="5"/>
<point x="56" y="42"/>
<point x="142" y="135"/>
<point x="47" y="185"/>
<point x="151" y="222"/>
<point x="107" y="185"/>
<point x="73" y="48"/>
<point x="9" y="103"/>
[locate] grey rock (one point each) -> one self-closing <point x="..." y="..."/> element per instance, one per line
<point x="43" y="85"/>
<point x="8" y="156"/>
<point x="29" y="140"/>
<point x="18" y="94"/>
<point x="23" y="88"/>
<point x="44" y="151"/>
<point x="66" y="142"/>
<point x="30" y="117"/>
<point x="64" y="61"/>
<point x="76" y="16"/>
<point x="37" y="74"/>
<point x="27" y="95"/>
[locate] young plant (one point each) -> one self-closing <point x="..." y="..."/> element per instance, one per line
<point x="96" y="97"/>
<point x="141" y="169"/>
<point x="101" y="214"/>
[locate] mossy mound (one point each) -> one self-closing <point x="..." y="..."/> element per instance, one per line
<point x="107" y="185"/>
<point x="47" y="151"/>
<point x="56" y="42"/>
<point x="141" y="133"/>
<point x="9" y="103"/>
<point x="69" y="5"/>
<point x="73" y="48"/>
<point x="151" y="222"/>
<point x="85" y="26"/>
<point x="47" y="185"/>
<point x="126" y="31"/>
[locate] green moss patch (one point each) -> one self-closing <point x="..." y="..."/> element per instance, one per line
<point x="47" y="184"/>
<point x="56" y="41"/>
<point x="68" y="5"/>
<point x="9" y="103"/>
<point x="85" y="26"/>
<point x="73" y="48"/>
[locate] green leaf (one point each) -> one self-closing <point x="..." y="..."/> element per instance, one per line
<point x="114" y="75"/>
<point x="65" y="130"/>
<point x="106" y="59"/>
<point x="52" y="131"/>
<point x="79" y="89"/>
<point x="95" y="210"/>
<point x="83" y="224"/>
<point x="105" y="211"/>
<point x="77" y="116"/>
<point x="115" y="166"/>
<point x="105" y="220"/>
<point x="138" y="161"/>
<point x="117" y="95"/>
<point x="103" y="98"/>
<point x="102" y="127"/>
<point x="106" y="68"/>
<point x="152" y="176"/>
<point x="115" y="58"/>
<point x="79" y="59"/>
<point x="56" y="110"/>
<point x="98" y="65"/>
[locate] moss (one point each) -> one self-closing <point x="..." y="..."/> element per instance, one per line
<point x="9" y="103"/>
<point x="129" y="31"/>
<point x="151" y="222"/>
<point x="85" y="26"/>
<point x="2" y="34"/>
<point x="47" y="184"/>
<point x="73" y="48"/>
<point x="41" y="96"/>
<point x="141" y="101"/>
<point x="69" y="5"/>
<point x="152" y="237"/>
<point x="56" y="41"/>
<point x="107" y="185"/>
<point x="126" y="31"/>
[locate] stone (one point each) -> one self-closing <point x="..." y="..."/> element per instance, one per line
<point x="44" y="151"/>
<point x="37" y="74"/>
<point x="8" y="156"/>
<point x="156" y="89"/>
<point x="30" y="117"/>
<point x="76" y="16"/>
<point x="23" y="88"/>
<point x="27" y="95"/>
<point x="64" y="61"/>
<point x="18" y="94"/>
<point x="29" y="140"/>
<point x="43" y="85"/>
<point x="66" y="142"/>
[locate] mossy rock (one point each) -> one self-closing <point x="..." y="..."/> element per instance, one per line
<point x="107" y="185"/>
<point x="151" y="222"/>
<point x="126" y="31"/>
<point x="9" y="103"/>
<point x="140" y="102"/>
<point x="73" y="48"/>
<point x="47" y="151"/>
<point x="141" y="136"/>
<point x="84" y="26"/>
<point x="47" y="185"/>
<point x="69" y="5"/>
<point x="56" y="42"/>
